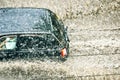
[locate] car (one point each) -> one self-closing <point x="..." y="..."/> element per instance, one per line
<point x="35" y="32"/>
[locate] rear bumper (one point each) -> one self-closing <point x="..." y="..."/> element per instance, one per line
<point x="31" y="53"/>
<point x="39" y="52"/>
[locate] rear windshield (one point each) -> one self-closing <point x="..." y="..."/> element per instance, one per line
<point x="32" y="41"/>
<point x="37" y="42"/>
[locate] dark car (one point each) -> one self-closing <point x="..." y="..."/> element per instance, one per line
<point x="32" y="32"/>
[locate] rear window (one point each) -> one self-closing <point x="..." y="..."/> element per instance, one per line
<point x="37" y="42"/>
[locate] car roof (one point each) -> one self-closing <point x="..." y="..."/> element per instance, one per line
<point x="25" y="20"/>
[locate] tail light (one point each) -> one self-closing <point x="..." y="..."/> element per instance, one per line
<point x="63" y="52"/>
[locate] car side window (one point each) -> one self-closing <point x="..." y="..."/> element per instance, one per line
<point x="8" y="42"/>
<point x="57" y="29"/>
